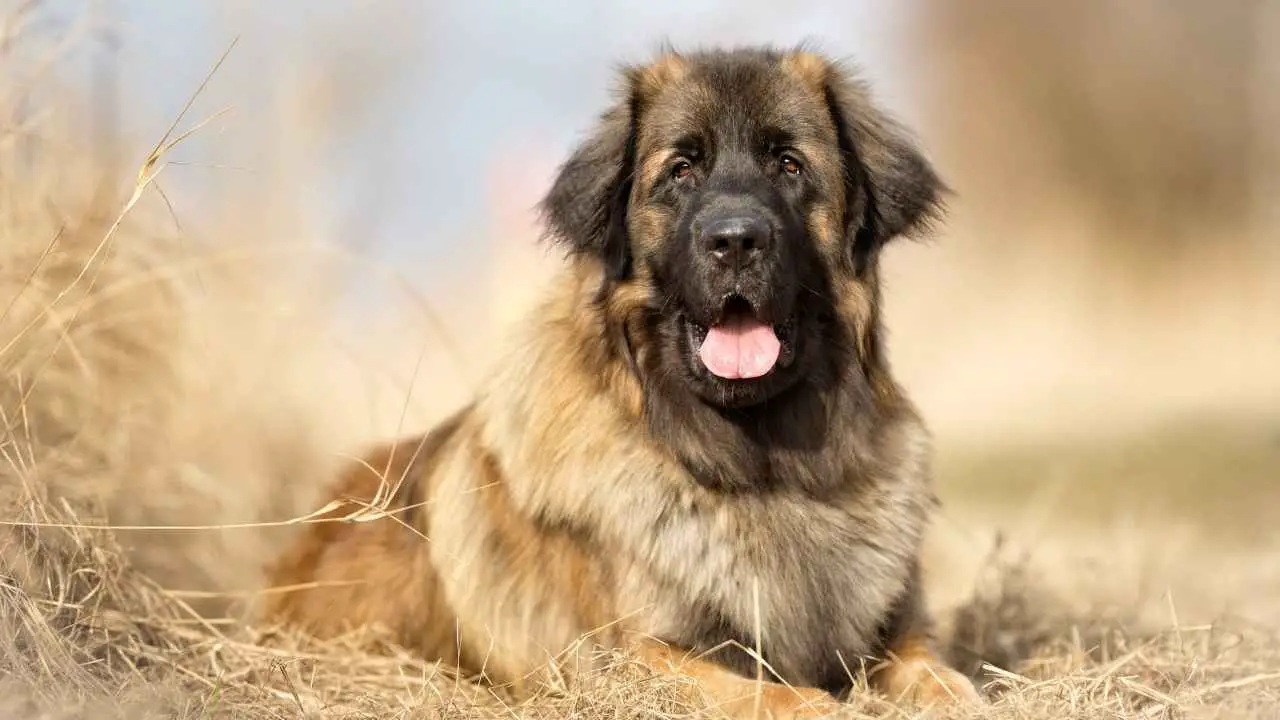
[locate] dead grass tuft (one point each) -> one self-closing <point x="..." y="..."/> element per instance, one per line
<point x="1044" y="655"/>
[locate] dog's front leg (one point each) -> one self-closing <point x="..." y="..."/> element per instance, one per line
<point x="732" y="694"/>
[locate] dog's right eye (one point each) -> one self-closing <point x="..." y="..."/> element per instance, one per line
<point x="681" y="169"/>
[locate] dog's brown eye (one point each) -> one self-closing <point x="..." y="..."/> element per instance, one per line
<point x="790" y="165"/>
<point x="681" y="170"/>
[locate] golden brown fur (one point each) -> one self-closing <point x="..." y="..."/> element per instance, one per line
<point x="595" y="488"/>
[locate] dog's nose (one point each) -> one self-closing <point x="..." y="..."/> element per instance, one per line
<point x="736" y="241"/>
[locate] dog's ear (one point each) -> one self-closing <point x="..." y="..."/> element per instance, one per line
<point x="892" y="190"/>
<point x="585" y="210"/>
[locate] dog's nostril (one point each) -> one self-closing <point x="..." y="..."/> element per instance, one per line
<point x="735" y="239"/>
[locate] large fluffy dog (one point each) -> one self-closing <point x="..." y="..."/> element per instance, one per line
<point x="695" y="447"/>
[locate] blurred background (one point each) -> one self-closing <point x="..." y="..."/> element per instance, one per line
<point x="1094" y="334"/>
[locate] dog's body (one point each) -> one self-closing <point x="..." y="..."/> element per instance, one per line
<point x="695" y="445"/>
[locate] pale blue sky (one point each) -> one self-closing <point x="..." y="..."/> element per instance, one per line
<point x="469" y="78"/>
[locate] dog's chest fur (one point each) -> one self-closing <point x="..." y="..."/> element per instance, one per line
<point x="699" y="566"/>
<point x="811" y="582"/>
<point x="817" y="561"/>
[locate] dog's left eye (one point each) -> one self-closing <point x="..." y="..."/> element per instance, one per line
<point x="790" y="165"/>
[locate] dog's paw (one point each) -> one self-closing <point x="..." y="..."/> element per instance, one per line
<point x="928" y="683"/>
<point x="771" y="701"/>
<point x="782" y="703"/>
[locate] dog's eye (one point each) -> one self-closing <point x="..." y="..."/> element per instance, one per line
<point x="790" y="165"/>
<point x="681" y="169"/>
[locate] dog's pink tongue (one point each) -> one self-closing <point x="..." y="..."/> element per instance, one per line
<point x="740" y="348"/>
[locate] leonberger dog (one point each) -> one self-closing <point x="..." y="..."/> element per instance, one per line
<point x="694" y="451"/>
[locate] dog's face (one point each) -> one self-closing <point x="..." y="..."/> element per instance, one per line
<point x="740" y="197"/>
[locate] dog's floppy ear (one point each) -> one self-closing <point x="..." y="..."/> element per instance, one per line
<point x="892" y="190"/>
<point x="585" y="210"/>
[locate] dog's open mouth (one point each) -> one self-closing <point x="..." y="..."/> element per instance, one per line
<point x="738" y="346"/>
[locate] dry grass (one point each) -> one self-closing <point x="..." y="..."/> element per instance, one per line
<point x="148" y="381"/>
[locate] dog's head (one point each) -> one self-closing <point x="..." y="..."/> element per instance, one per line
<point x="739" y="199"/>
